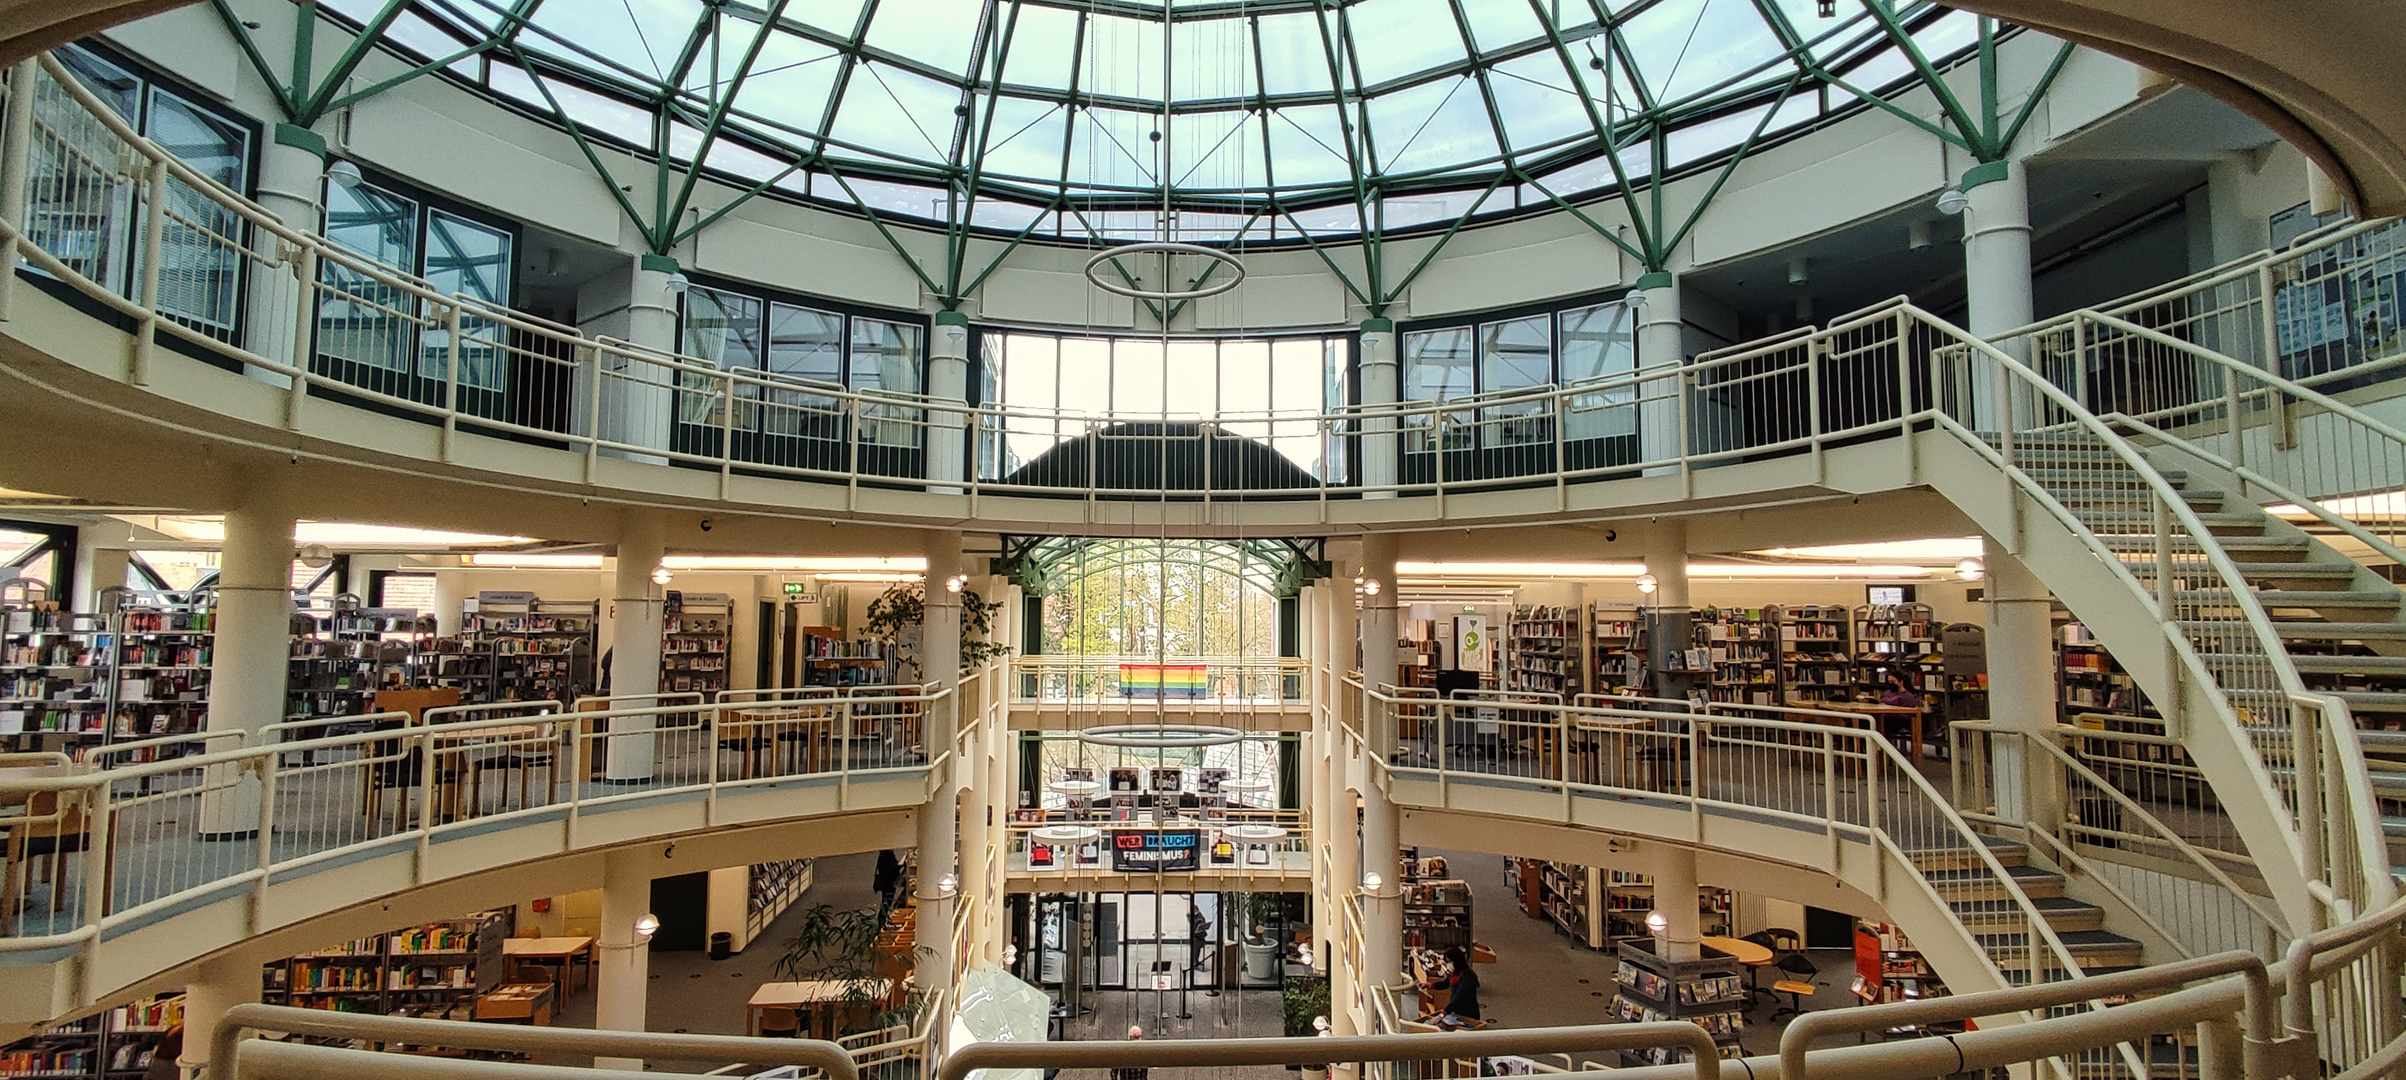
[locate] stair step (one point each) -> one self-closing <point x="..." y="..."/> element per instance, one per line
<point x="2251" y="544"/>
<point x="2377" y="741"/>
<point x="2303" y="598"/>
<point x="2385" y="784"/>
<point x="2334" y="571"/>
<point x="2009" y="853"/>
<point x="2332" y="665"/>
<point x="1979" y="884"/>
<point x="2043" y="473"/>
<point x="2088" y="948"/>
<point x="2061" y="912"/>
<point x="2219" y="519"/>
<point x="2302" y="630"/>
<point x="2364" y="701"/>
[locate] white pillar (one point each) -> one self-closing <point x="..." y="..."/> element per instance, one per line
<point x="637" y="396"/>
<point x="2021" y="688"/>
<point x="250" y="649"/>
<point x="216" y="986"/>
<point x="450" y="593"/>
<point x="1675" y="900"/>
<point x="1996" y="267"/>
<point x="635" y="642"/>
<point x="948" y="380"/>
<point x="622" y="975"/>
<point x="939" y="827"/>
<point x="1661" y="346"/>
<point x="1381" y="386"/>
<point x="101" y="556"/>
<point x="1667" y="611"/>
<point x="292" y="170"/>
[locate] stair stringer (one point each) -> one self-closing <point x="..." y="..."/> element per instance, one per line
<point x="2109" y="603"/>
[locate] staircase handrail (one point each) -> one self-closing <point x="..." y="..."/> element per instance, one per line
<point x="2371" y="847"/>
<point x="2237" y="269"/>
<point x="2355" y="530"/>
<point x="2131" y="809"/>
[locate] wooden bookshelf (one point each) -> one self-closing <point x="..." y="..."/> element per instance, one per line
<point x="829" y="660"/>
<point x="695" y="629"/>
<point x="1542" y="651"/>
<point x="54" y="672"/>
<point x="1612" y="640"/>
<point x="415" y="971"/>
<point x="1816" y="652"/>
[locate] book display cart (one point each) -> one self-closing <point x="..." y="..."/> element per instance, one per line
<point x="115" y="1045"/>
<point x="1888" y="967"/>
<point x="693" y="649"/>
<point x="1709" y="992"/>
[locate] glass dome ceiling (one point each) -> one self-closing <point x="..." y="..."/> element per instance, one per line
<point x="1261" y="120"/>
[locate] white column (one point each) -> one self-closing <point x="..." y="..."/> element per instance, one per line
<point x="948" y="380"/>
<point x="939" y="828"/>
<point x="250" y="649"/>
<point x="2021" y="688"/>
<point x="622" y="975"/>
<point x="1667" y="610"/>
<point x="1661" y="345"/>
<point x="1996" y="266"/>
<point x="292" y="170"/>
<point x="1675" y="900"/>
<point x="637" y="396"/>
<point x="1381" y="386"/>
<point x="635" y="642"/>
<point x="101" y="556"/>
<point x="217" y="985"/>
<point x="450" y="590"/>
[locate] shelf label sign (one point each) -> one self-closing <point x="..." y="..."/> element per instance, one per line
<point x="1147" y="852"/>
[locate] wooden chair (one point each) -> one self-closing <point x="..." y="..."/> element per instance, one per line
<point x="51" y="829"/>
<point x="780" y="1023"/>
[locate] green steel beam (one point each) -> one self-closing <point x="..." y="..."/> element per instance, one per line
<point x="1583" y="219"/>
<point x="741" y="198"/>
<point x="1495" y="119"/>
<point x="1355" y="147"/>
<point x="1216" y="264"/>
<point x="576" y="134"/>
<point x="892" y="241"/>
<point x="1731" y="165"/>
<point x="1024" y="232"/>
<point x="957" y="243"/>
<point x="707" y="29"/>
<point x="315" y="105"/>
<point x="718" y="118"/>
<point x="1431" y="255"/>
<point x="1883" y="14"/>
<point x="258" y="60"/>
<point x="1376" y="308"/>
<point x="1069" y="116"/>
<point x="304" y="46"/>
<point x="1096" y="235"/>
<point x="1988" y="80"/>
<point x="2038" y="90"/>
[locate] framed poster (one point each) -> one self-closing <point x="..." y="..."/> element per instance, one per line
<point x="1168" y="850"/>
<point x="1123" y="780"/>
<point x="1168" y="779"/>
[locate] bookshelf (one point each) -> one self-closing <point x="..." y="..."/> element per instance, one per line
<point x="1816" y="658"/>
<point x="2089" y="680"/>
<point x="515" y="646"/>
<point x="693" y="649"/>
<point x="1741" y="650"/>
<point x="1709" y="992"/>
<point x="1542" y="654"/>
<point x="54" y="671"/>
<point x="1567" y="895"/>
<point x="160" y="665"/>
<point x="771" y="888"/>
<point x="419" y="970"/>
<point x="1888" y="967"/>
<point x="1892" y="637"/>
<point x="1436" y="914"/>
<point x="340" y="659"/>
<point x="829" y="660"/>
<point x="1612" y="643"/>
<point x="114" y="1044"/>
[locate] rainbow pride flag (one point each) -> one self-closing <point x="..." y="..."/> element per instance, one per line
<point x="1162" y="680"/>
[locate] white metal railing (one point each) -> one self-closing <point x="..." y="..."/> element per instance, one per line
<point x="1825" y="775"/>
<point x="141" y="840"/>
<point x="1096" y="834"/>
<point x="1145" y="683"/>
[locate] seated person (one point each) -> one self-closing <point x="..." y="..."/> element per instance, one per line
<point x="1897" y="692"/>
<point x="1462" y="991"/>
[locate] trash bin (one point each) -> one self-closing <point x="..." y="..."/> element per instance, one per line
<point x="722" y="945"/>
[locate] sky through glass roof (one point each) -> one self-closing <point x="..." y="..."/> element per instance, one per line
<point x="1071" y="118"/>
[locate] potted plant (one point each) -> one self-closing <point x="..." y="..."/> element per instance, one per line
<point x="897" y="614"/>
<point x="874" y="983"/>
<point x="1305" y="1003"/>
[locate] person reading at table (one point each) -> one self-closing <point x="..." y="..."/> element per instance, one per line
<point x="1462" y="991"/>
<point x="1898" y="692"/>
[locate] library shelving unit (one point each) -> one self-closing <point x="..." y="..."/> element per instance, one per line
<point x="1709" y="991"/>
<point x="1566" y="894"/>
<point x="524" y="648"/>
<point x="1629" y="897"/>
<point x="1816" y="659"/>
<point x="695" y="628"/>
<point x="418" y="971"/>
<point x="1888" y="967"/>
<point x="829" y="660"/>
<point x="54" y="671"/>
<point x="1542" y="651"/>
<point x="340" y="658"/>
<point x="1891" y="637"/>
<point x="1415" y="652"/>
<point x="1436" y="914"/>
<point x="772" y="887"/>
<point x="161" y="668"/>
<point x="2089" y="680"/>
<point x="1612" y="631"/>
<point x="1742" y="651"/>
<point x="114" y="1044"/>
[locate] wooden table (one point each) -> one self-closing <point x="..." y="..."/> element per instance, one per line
<point x="818" y="1002"/>
<point x="1876" y="711"/>
<point x="517" y="1003"/>
<point x="758" y="731"/>
<point x="58" y="816"/>
<point x="564" y="951"/>
<point x="1743" y="951"/>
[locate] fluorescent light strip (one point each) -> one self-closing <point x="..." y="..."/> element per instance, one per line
<point x="1423" y="573"/>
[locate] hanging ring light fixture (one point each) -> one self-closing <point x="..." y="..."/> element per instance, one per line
<point x="1160" y="736"/>
<point x="1166" y="249"/>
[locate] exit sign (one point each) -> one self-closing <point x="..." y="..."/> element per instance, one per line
<point x="798" y="592"/>
<point x="795" y="588"/>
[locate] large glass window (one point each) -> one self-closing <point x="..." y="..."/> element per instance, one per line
<point x="466" y="259"/>
<point x="365" y="320"/>
<point x="1516" y="354"/>
<point x="1599" y="343"/>
<point x="797" y="360"/>
<point x="200" y="261"/>
<point x="1439" y="365"/>
<point x="888" y="356"/>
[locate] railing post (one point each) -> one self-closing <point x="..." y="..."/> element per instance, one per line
<point x="1559" y="404"/>
<point x="2266" y="284"/>
<point x="1829" y="794"/>
<point x="2306" y="747"/>
<point x="304" y="339"/>
<point x="1904" y="392"/>
<point x="726" y="436"/>
<point x="1816" y="350"/>
<point x="451" y="351"/>
<point x="267" y="837"/>
<point x="2237" y="422"/>
<point x="16" y="143"/>
<point x="593" y="417"/>
<point x="2080" y="362"/>
<point x="154" y="237"/>
<point x="98" y="855"/>
<point x="426" y="768"/>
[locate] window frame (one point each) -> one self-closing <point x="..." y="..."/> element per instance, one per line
<point x="757" y="419"/>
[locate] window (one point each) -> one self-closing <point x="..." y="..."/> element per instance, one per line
<point x="815" y="352"/>
<point x="1596" y="344"/>
<point x="403" y="590"/>
<point x="390" y="339"/>
<point x="887" y="356"/>
<point x="93" y="220"/>
<point x="1516" y="354"/>
<point x="1437" y="366"/>
<point x="1599" y="343"/>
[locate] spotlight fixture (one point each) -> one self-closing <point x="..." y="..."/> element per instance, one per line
<point x="1952" y="201"/>
<point x="1370" y="587"/>
<point x="661" y="575"/>
<point x="956" y="583"/>
<point x="1320" y="1024"/>
<point x="1971" y="569"/>
<point x="1646" y="583"/>
<point x="1655" y="923"/>
<point x="345" y="175"/>
<point x="947" y="885"/>
<point x="678" y="282"/>
<point x="316" y="557"/>
<point x="646" y="925"/>
<point x="1828" y="9"/>
<point x="1371" y="882"/>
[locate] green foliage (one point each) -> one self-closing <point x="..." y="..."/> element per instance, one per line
<point x="902" y="608"/>
<point x="1304" y="997"/>
<point x="841" y="947"/>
